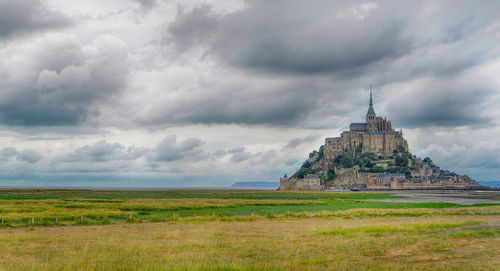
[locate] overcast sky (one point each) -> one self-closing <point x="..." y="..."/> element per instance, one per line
<point x="151" y="93"/>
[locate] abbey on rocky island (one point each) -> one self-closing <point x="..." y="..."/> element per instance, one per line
<point x="376" y="136"/>
<point x="371" y="155"/>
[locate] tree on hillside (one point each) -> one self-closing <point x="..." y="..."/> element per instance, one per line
<point x="320" y="153"/>
<point x="428" y="160"/>
<point x="377" y="169"/>
<point x="401" y="161"/>
<point x="369" y="164"/>
<point x="343" y="160"/>
<point x="306" y="164"/>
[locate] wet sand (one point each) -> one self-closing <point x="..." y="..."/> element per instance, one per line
<point x="464" y="198"/>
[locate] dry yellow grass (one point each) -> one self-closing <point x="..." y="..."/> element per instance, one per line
<point x="241" y="230"/>
<point x="438" y="241"/>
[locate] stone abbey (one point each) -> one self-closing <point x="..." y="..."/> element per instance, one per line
<point x="371" y="155"/>
<point x="376" y="136"/>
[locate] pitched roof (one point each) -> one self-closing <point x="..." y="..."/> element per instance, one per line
<point x="371" y="111"/>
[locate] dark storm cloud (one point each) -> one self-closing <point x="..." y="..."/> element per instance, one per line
<point x="239" y="154"/>
<point x="295" y="36"/>
<point x="341" y="37"/>
<point x="170" y="150"/>
<point x="454" y="111"/>
<point x="57" y="81"/>
<point x="7" y="152"/>
<point x="237" y="103"/>
<point x="284" y="63"/>
<point x="27" y="16"/>
<point x="292" y="144"/>
<point x="147" y="5"/>
<point x="29" y="156"/>
<point x="334" y="49"/>
<point x="441" y="103"/>
<point x="103" y="151"/>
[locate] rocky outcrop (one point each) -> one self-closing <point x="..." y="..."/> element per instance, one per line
<point x="370" y="155"/>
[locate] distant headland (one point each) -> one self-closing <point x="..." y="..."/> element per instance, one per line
<point x="256" y="184"/>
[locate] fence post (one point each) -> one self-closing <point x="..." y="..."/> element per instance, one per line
<point x="32" y="220"/>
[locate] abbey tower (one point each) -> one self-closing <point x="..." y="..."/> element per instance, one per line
<point x="371" y="155"/>
<point x="375" y="135"/>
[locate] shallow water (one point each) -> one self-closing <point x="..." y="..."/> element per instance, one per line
<point x="464" y="198"/>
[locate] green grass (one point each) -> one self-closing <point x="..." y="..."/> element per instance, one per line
<point x="400" y="228"/>
<point x="98" y="195"/>
<point x="45" y="207"/>
<point x="241" y="230"/>
<point x="338" y="205"/>
<point x="374" y="243"/>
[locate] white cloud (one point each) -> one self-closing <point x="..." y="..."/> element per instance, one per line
<point x="225" y="90"/>
<point x="171" y="150"/>
<point x="357" y="12"/>
<point x="55" y="80"/>
<point x="29" y="156"/>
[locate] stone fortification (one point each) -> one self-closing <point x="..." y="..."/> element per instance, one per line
<point x="371" y="155"/>
<point x="311" y="182"/>
<point x="376" y="135"/>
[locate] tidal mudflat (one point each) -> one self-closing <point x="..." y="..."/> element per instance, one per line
<point x="463" y="198"/>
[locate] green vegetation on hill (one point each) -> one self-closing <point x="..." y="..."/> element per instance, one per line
<point x="311" y="165"/>
<point x="398" y="162"/>
<point x="343" y="161"/>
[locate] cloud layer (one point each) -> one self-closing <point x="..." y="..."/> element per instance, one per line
<point x="334" y="47"/>
<point x="294" y="36"/>
<point x="18" y="18"/>
<point x="226" y="90"/>
<point x="56" y="80"/>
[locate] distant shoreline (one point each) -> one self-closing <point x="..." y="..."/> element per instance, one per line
<point x="477" y="189"/>
<point x="127" y="188"/>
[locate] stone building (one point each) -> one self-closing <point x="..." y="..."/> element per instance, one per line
<point x="311" y="182"/>
<point x="371" y="155"/>
<point x="376" y="135"/>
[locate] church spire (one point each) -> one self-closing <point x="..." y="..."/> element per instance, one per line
<point x="371" y="111"/>
<point x="371" y="99"/>
<point x="371" y="117"/>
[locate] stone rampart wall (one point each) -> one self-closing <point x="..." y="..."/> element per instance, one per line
<point x="306" y="184"/>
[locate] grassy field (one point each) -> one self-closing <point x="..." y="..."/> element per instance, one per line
<point x="20" y="208"/>
<point x="241" y="230"/>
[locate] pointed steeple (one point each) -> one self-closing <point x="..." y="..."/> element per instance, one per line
<point x="371" y="111"/>
<point x="371" y="117"/>
<point x="371" y="98"/>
